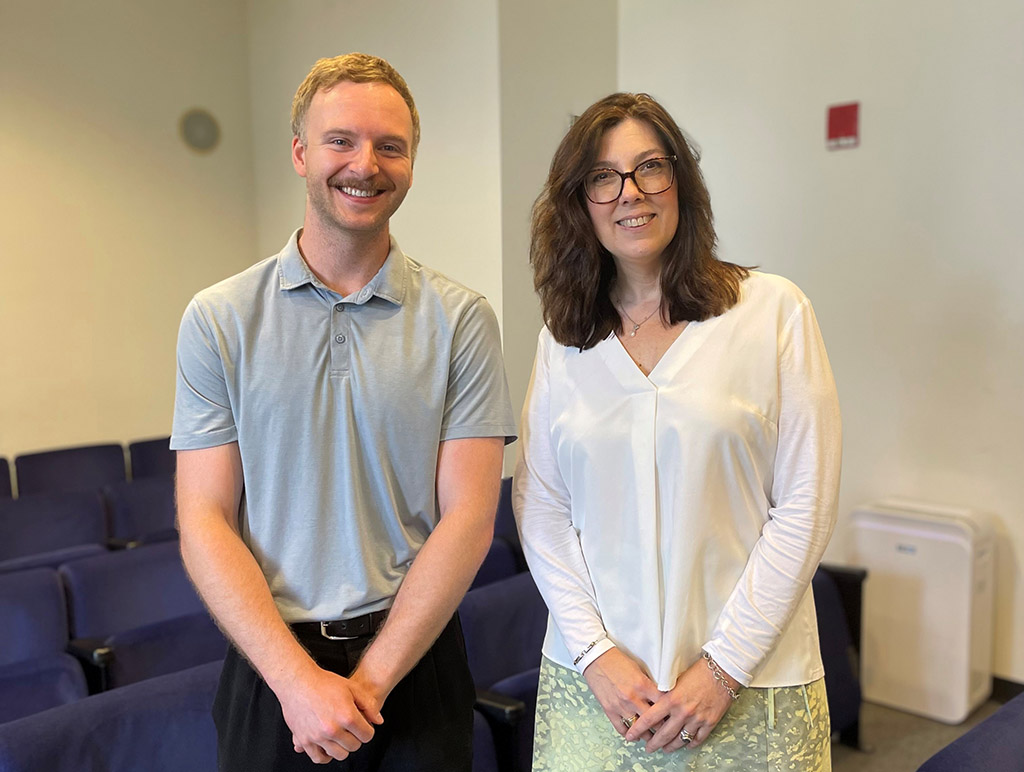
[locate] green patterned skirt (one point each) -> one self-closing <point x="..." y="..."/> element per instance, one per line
<point x="767" y="730"/>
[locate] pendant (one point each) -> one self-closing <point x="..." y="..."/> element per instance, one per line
<point x="635" y="328"/>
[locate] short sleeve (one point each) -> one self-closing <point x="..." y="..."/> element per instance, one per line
<point x="477" y="401"/>
<point x="202" y="407"/>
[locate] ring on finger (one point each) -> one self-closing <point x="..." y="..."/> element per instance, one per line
<point x="630" y="721"/>
<point x="685" y="737"/>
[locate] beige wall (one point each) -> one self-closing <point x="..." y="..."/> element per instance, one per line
<point x="909" y="246"/>
<point x="447" y="52"/>
<point x="108" y="224"/>
<point x="556" y="59"/>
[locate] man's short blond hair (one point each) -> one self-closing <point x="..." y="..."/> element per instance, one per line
<point x="356" y="68"/>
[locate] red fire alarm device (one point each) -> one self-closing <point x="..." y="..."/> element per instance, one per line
<point x="843" y="126"/>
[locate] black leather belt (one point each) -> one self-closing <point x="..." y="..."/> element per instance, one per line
<point x="344" y="629"/>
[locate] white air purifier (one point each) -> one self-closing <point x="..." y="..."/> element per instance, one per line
<point x="927" y="634"/>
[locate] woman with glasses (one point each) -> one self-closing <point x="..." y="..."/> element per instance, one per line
<point x="678" y="471"/>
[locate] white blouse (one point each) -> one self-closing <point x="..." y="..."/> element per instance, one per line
<point x="687" y="509"/>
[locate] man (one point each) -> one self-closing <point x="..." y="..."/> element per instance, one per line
<point x="339" y="420"/>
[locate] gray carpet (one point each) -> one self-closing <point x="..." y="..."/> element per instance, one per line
<point x="900" y="742"/>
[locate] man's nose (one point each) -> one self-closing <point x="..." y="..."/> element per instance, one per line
<point x="364" y="161"/>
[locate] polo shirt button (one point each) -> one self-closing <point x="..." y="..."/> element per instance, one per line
<point x="339" y="338"/>
<point x="339" y="307"/>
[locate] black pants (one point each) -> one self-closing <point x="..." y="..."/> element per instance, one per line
<point x="428" y="717"/>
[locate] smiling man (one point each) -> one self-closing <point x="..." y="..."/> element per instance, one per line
<point x="339" y="419"/>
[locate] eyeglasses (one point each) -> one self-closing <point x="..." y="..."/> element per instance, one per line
<point x="655" y="175"/>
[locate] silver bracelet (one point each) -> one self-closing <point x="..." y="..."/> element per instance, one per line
<point x="720" y="676"/>
<point x="584" y="653"/>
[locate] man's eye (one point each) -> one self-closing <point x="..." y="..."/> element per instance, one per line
<point x="339" y="142"/>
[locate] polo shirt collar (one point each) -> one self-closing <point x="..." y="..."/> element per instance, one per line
<point x="388" y="283"/>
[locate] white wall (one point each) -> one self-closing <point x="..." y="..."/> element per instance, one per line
<point x="108" y="224"/>
<point x="909" y="246"/>
<point x="447" y="53"/>
<point x="556" y="59"/>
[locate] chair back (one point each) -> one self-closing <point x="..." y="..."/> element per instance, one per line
<point x="69" y="469"/>
<point x="32" y="615"/>
<point x="140" y="507"/>
<point x="504" y="625"/>
<point x="838" y="653"/>
<point x="34" y="524"/>
<point x="151" y="458"/>
<point x="5" y="479"/>
<point x="108" y="594"/>
<point x="499" y="563"/>
<point x="994" y="745"/>
<point x="505" y="522"/>
<point x="158" y="725"/>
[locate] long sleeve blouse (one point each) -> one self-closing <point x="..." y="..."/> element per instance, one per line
<point x="686" y="509"/>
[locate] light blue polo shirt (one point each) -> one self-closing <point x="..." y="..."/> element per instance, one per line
<point x="338" y="406"/>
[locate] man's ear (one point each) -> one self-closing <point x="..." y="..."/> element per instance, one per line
<point x="299" y="156"/>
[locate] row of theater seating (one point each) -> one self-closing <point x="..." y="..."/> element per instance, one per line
<point x="97" y="623"/>
<point x="96" y="605"/>
<point x="164" y="723"/>
<point x="76" y="502"/>
<point x="48" y="529"/>
<point x="52" y="529"/>
<point x="83" y="468"/>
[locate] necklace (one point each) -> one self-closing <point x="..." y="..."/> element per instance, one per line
<point x="636" y="325"/>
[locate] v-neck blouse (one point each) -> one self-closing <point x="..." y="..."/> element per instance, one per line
<point x="686" y="509"/>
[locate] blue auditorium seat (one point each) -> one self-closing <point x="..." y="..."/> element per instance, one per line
<point x="83" y="468"/>
<point x="35" y="673"/>
<point x="838" y="595"/>
<point x="140" y="510"/>
<point x="134" y="614"/>
<point x="504" y="625"/>
<point x="51" y="559"/>
<point x="47" y="529"/>
<point x="5" y="479"/>
<point x="505" y="523"/>
<point x="485" y="754"/>
<point x="499" y="563"/>
<point x="151" y="458"/>
<point x="994" y="745"/>
<point x="159" y="725"/>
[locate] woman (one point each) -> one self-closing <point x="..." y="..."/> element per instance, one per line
<point x="678" y="473"/>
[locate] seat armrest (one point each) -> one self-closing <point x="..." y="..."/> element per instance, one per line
<point x="93" y="651"/>
<point x="95" y="656"/>
<point x="498" y="707"/>
<point x="167" y="534"/>
<point x="122" y="544"/>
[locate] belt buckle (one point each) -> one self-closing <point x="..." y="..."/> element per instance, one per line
<point x="328" y="636"/>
